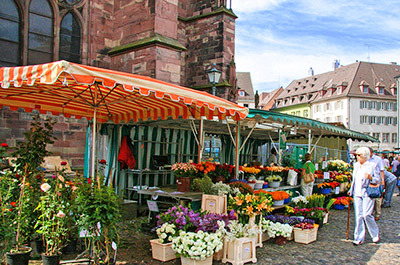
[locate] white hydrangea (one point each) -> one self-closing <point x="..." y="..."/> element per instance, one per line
<point x="276" y="229"/>
<point x="299" y="199"/>
<point x="166" y="232"/>
<point x="237" y="230"/>
<point x="198" y="245"/>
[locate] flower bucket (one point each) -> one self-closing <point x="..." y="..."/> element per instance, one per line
<point x="278" y="203"/>
<point x="286" y="200"/>
<point x="51" y="259"/>
<point x="274" y="184"/>
<point x="325" y="191"/>
<point x="258" y="186"/>
<point x="305" y="236"/>
<point x="19" y="258"/>
<point x="252" y="185"/>
<point x="265" y="185"/>
<point x="189" y="261"/>
<point x="183" y="184"/>
<point x="338" y="206"/>
<point x="214" y="203"/>
<point x="239" y="251"/>
<point x="162" y="252"/>
<point x="326" y="218"/>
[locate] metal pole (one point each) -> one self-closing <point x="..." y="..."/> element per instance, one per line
<point x="237" y="153"/>
<point x="398" y="111"/>
<point x="201" y="140"/>
<point x="214" y="89"/>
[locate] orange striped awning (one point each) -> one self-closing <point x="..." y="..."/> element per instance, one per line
<point x="76" y="90"/>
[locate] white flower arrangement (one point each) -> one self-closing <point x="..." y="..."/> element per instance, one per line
<point x="276" y="229"/>
<point x="299" y="199"/>
<point x="198" y="245"/>
<point x="166" y="233"/>
<point x="237" y="230"/>
<point x="274" y="178"/>
<point x="221" y="189"/>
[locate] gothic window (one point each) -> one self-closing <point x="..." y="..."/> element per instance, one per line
<point x="9" y="34"/>
<point x="40" y="34"/>
<point x="70" y="39"/>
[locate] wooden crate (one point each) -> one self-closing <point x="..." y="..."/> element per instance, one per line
<point x="214" y="204"/>
<point x="239" y="251"/>
<point x="305" y="236"/>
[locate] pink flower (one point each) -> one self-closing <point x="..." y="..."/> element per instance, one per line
<point x="63" y="163"/>
<point x="60" y="214"/>
<point x="45" y="187"/>
<point x="61" y="178"/>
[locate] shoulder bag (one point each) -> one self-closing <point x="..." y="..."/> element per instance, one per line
<point x="307" y="178"/>
<point x="374" y="190"/>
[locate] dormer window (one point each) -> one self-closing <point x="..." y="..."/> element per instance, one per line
<point x="381" y="91"/>
<point x="393" y="89"/>
<point x="365" y="89"/>
<point x="329" y="93"/>
<point x="339" y="90"/>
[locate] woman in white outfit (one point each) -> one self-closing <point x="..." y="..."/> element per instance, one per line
<point x="363" y="174"/>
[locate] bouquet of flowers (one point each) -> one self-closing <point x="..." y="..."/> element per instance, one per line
<point x="275" y="229"/>
<point x="166" y="233"/>
<point x="198" y="245"/>
<point x="315" y="200"/>
<point x="244" y="188"/>
<point x="283" y="219"/>
<point x="209" y="222"/>
<point x="337" y="165"/>
<point x="235" y="230"/>
<point x="342" y="178"/>
<point x="325" y="185"/>
<point x="273" y="178"/>
<point x="277" y="170"/>
<point x="221" y="189"/>
<point x="249" y="205"/>
<point x="300" y="201"/>
<point x="305" y="225"/>
<point x="182" y="170"/>
<point x="344" y="200"/>
<point x="183" y="218"/>
<point x="279" y="195"/>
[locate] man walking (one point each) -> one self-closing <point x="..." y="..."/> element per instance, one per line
<point x="390" y="183"/>
<point x="379" y="170"/>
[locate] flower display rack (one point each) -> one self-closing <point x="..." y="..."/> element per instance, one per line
<point x="162" y="252"/>
<point x="305" y="236"/>
<point x="214" y="203"/>
<point x="239" y="251"/>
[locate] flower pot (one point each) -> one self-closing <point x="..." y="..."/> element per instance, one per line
<point x="259" y="186"/>
<point x="265" y="185"/>
<point x="189" y="261"/>
<point x="286" y="200"/>
<point x="51" y="259"/>
<point x="183" y="184"/>
<point x="325" y="191"/>
<point x="162" y="252"/>
<point x="252" y="185"/>
<point x="239" y="251"/>
<point x="19" y="258"/>
<point x="214" y="203"/>
<point x="278" y="203"/>
<point x="280" y="240"/>
<point x="274" y="184"/>
<point x="338" y="206"/>
<point x="305" y="236"/>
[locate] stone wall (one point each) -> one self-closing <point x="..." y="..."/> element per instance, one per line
<point x="70" y="134"/>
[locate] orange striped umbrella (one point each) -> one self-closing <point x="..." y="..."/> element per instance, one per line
<point x="106" y="95"/>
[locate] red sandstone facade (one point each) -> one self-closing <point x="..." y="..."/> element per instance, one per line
<point x="171" y="40"/>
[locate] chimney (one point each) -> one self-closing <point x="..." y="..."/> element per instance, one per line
<point x="336" y="64"/>
<point x="311" y="72"/>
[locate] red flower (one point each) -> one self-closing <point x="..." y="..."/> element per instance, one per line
<point x="63" y="163"/>
<point x="89" y="181"/>
<point x="4" y="145"/>
<point x="13" y="204"/>
<point x="103" y="161"/>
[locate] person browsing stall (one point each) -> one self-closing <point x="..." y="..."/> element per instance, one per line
<point x="379" y="170"/>
<point x="308" y="167"/>
<point x="272" y="159"/>
<point x="363" y="175"/>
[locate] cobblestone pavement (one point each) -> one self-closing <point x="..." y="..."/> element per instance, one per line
<point x="332" y="247"/>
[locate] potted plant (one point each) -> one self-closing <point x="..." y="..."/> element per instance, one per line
<point x="161" y="247"/>
<point x="98" y="207"/>
<point x="52" y="223"/>
<point x="279" y="197"/>
<point x="305" y="233"/>
<point x="239" y="244"/>
<point x="341" y="202"/>
<point x="214" y="195"/>
<point x="277" y="230"/>
<point x="325" y="188"/>
<point x="183" y="173"/>
<point x="197" y="248"/>
<point x="182" y="217"/>
<point x="274" y="181"/>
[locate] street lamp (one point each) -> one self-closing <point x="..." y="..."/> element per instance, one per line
<point x="398" y="110"/>
<point x="213" y="76"/>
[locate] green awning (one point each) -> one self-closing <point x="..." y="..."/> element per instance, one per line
<point x="301" y="125"/>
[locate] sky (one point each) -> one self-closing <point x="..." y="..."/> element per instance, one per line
<point x="277" y="41"/>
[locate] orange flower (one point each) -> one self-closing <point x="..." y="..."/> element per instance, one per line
<point x="261" y="206"/>
<point x="238" y="201"/>
<point x="248" y="198"/>
<point x="249" y="210"/>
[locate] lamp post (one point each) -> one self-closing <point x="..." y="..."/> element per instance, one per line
<point x="398" y="110"/>
<point x="213" y="76"/>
